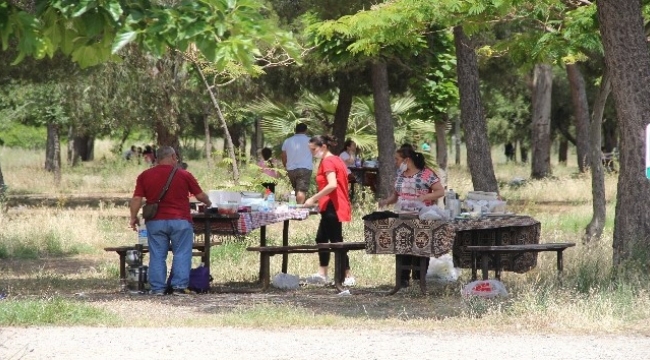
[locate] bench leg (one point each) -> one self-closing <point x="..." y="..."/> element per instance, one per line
<point x="123" y="283"/>
<point x="265" y="265"/>
<point x="339" y="268"/>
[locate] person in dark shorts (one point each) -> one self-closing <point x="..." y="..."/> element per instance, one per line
<point x="297" y="159"/>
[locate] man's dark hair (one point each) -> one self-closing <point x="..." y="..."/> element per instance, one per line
<point x="267" y="153"/>
<point x="301" y="128"/>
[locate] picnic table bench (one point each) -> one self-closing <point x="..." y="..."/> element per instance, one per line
<point x="485" y="253"/>
<point x="339" y="250"/>
<point x="121" y="252"/>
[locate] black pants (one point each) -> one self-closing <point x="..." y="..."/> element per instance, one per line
<point x="330" y="229"/>
<point x="413" y="261"/>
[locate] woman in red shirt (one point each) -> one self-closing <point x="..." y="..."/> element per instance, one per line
<point x="333" y="203"/>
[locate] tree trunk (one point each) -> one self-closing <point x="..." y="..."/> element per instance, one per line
<point x="594" y="229"/>
<point x="222" y="123"/>
<point x="3" y="192"/>
<point x="167" y="138"/>
<point x="541" y="134"/>
<point x="256" y="140"/>
<point x="208" y="140"/>
<point x="628" y="60"/>
<point x="441" y="144"/>
<point x="342" y="114"/>
<point x="53" y="152"/>
<point x="82" y="148"/>
<point x="479" y="158"/>
<point x="580" y="114"/>
<point x="562" y="153"/>
<point x="610" y="135"/>
<point x="385" y="129"/>
<point x="457" y="141"/>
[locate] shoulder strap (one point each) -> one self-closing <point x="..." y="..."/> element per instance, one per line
<point x="169" y="181"/>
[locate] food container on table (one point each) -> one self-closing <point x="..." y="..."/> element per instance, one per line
<point x="227" y="208"/>
<point x="223" y="197"/>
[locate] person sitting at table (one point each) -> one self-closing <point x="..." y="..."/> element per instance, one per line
<point x="333" y="203"/>
<point x="267" y="165"/>
<point x="350" y="157"/>
<point x="414" y="182"/>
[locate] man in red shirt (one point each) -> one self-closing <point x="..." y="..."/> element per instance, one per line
<point x="171" y="224"/>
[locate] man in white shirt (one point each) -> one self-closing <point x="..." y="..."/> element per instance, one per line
<point x="297" y="159"/>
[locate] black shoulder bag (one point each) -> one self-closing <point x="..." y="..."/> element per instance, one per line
<point x="150" y="210"/>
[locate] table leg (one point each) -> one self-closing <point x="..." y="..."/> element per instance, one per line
<point x="423" y="274"/>
<point x="265" y="265"/>
<point x="474" y="260"/>
<point x="262" y="244"/>
<point x="484" y="265"/>
<point x="285" y="242"/>
<point x="207" y="233"/>
<point x="398" y="275"/>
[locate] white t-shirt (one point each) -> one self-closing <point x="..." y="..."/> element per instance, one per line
<point x="298" y="153"/>
<point x="345" y="157"/>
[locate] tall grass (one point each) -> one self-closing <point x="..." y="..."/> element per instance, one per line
<point x="591" y="296"/>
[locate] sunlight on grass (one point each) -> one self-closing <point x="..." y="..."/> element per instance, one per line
<point x="53" y="311"/>
<point x="59" y="250"/>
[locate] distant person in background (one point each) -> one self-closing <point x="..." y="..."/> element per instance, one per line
<point x="297" y="159"/>
<point x="267" y="165"/>
<point x="426" y="147"/>
<point x="130" y="154"/>
<point x="148" y="155"/>
<point x="333" y="203"/>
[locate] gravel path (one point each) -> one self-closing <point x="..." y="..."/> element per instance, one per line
<point x="233" y="344"/>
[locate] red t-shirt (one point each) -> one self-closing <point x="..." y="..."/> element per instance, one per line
<point x="175" y="204"/>
<point x="339" y="196"/>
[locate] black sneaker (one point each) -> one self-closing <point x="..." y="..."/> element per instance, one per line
<point x="183" y="292"/>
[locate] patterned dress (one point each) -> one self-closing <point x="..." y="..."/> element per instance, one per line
<point x="412" y="187"/>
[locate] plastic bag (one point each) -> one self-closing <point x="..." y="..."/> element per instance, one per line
<point x="442" y="270"/>
<point x="286" y="281"/>
<point x="434" y="213"/>
<point x="484" y="288"/>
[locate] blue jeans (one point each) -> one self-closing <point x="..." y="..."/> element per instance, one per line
<point x="180" y="233"/>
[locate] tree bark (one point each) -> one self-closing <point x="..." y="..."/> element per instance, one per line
<point x="3" y="192"/>
<point x="208" y="140"/>
<point x="628" y="60"/>
<point x="479" y="158"/>
<point x="222" y="123"/>
<point x="441" y="143"/>
<point x="385" y="129"/>
<point x="594" y="229"/>
<point x="342" y="113"/>
<point x="541" y="133"/>
<point x="562" y="152"/>
<point x="580" y="114"/>
<point x="457" y="141"/>
<point x="53" y="152"/>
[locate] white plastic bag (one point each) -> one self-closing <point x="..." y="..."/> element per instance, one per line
<point x="484" y="288"/>
<point x="434" y="213"/>
<point x="441" y="270"/>
<point x="286" y="281"/>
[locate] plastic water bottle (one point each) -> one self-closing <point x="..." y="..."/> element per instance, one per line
<point x="292" y="200"/>
<point x="270" y="201"/>
<point x="142" y="235"/>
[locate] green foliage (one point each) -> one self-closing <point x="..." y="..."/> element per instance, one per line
<point x="14" y="134"/>
<point x="51" y="311"/>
